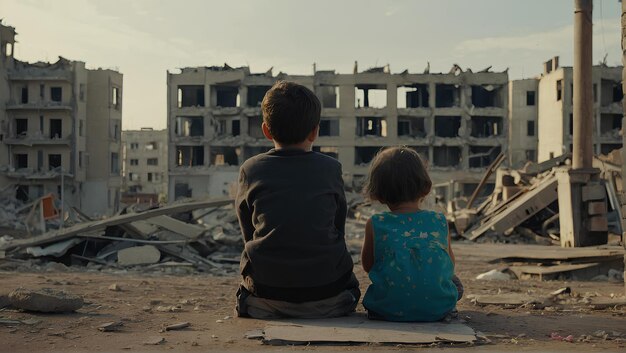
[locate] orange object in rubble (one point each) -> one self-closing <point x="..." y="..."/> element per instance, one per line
<point x="49" y="211"/>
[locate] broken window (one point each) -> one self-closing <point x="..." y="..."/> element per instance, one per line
<point x="559" y="90"/>
<point x="115" y="97"/>
<point x="153" y="177"/>
<point x="181" y="190"/>
<point x="81" y="92"/>
<point x="189" y="156"/>
<point x="413" y="96"/>
<point x="251" y="151"/>
<point x="152" y="161"/>
<point x="221" y="155"/>
<point x="486" y="96"/>
<point x="595" y="92"/>
<point x="41" y="90"/>
<point x="190" y="96"/>
<point x="531" y="155"/>
<point x="21" y="127"/>
<point x="610" y="124"/>
<point x="411" y="127"/>
<point x="189" y="126"/>
<point x="80" y="127"/>
<point x="530" y="128"/>
<point x="134" y="146"/>
<point x="329" y="151"/>
<point x="24" y="96"/>
<point x="611" y="92"/>
<point x="329" y="127"/>
<point x="134" y="162"/>
<point x="530" y="97"/>
<point x="151" y="146"/>
<point x="372" y="96"/>
<point x="254" y="127"/>
<point x="371" y="126"/>
<point x="236" y="127"/>
<point x="56" y="94"/>
<point x="446" y="156"/>
<point x="54" y="161"/>
<point x="447" y="96"/>
<point x="115" y="163"/>
<point x="482" y="156"/>
<point x="228" y="127"/>
<point x="329" y="96"/>
<point x="21" y="193"/>
<point x="447" y="126"/>
<point x="41" y="124"/>
<point x="227" y="96"/>
<point x="256" y="94"/>
<point x="40" y="160"/>
<point x="21" y="160"/>
<point x="56" y="128"/>
<point x="115" y="130"/>
<point x="364" y="155"/>
<point x="486" y="126"/>
<point x="607" y="148"/>
<point x="133" y="176"/>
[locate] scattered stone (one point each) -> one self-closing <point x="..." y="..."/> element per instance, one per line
<point x="4" y="301"/>
<point x="114" y="287"/>
<point x="170" y="308"/>
<point x="154" y="341"/>
<point x="494" y="275"/>
<point x="138" y="255"/>
<point x="194" y="344"/>
<point x="564" y="290"/>
<point x="146" y="308"/>
<point x="56" y="267"/>
<point x="155" y="302"/>
<point x="111" y="326"/>
<point x="45" y="300"/>
<point x="178" y="326"/>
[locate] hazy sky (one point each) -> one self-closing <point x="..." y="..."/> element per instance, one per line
<point x="144" y="38"/>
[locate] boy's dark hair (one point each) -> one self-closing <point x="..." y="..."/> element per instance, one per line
<point x="397" y="175"/>
<point x="290" y="111"/>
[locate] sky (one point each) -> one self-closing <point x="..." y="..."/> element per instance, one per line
<point x="145" y="38"/>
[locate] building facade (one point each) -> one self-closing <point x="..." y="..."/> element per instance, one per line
<point x="51" y="123"/>
<point x="523" y="110"/>
<point x="456" y="121"/>
<point x="555" y="114"/>
<point x="145" y="164"/>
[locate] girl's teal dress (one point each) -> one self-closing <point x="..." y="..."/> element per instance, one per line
<point x="412" y="272"/>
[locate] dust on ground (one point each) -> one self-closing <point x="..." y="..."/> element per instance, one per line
<point x="147" y="302"/>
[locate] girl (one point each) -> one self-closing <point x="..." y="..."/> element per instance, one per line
<point x="406" y="251"/>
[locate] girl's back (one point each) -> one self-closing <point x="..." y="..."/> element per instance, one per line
<point x="412" y="272"/>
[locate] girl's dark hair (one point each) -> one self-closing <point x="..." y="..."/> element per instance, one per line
<point x="397" y="174"/>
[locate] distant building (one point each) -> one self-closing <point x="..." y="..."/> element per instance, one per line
<point x="60" y="121"/>
<point x="145" y="165"/>
<point x="555" y="116"/>
<point x="457" y="121"/>
<point x="523" y="110"/>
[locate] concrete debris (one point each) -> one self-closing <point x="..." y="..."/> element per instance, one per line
<point x="115" y="288"/>
<point x="178" y="326"/>
<point x="138" y="255"/>
<point x="4" y="301"/>
<point x="154" y="341"/>
<point x="45" y="300"/>
<point x="203" y="235"/>
<point x="494" y="275"/>
<point x="111" y="326"/>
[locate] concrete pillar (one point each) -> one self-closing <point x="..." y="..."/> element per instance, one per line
<point x="583" y="95"/>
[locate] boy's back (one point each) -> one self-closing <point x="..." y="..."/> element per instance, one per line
<point x="292" y="209"/>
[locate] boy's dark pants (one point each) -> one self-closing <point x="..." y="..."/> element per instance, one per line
<point x="249" y="305"/>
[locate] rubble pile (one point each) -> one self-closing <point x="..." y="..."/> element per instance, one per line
<point x="191" y="235"/>
<point x="523" y="207"/>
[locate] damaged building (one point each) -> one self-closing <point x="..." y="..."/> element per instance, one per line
<point x="555" y="110"/>
<point x="60" y="130"/>
<point x="144" y="166"/>
<point x="457" y="121"/>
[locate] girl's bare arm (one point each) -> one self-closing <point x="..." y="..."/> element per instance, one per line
<point x="367" y="252"/>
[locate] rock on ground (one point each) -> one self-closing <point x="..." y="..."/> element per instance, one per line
<point x="45" y="300"/>
<point x="138" y="255"/>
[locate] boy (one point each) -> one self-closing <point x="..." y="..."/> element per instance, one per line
<point x="292" y="210"/>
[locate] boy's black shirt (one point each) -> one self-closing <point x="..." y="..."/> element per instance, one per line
<point x="292" y="210"/>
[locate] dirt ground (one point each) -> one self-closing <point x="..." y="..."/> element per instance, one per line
<point x="206" y="302"/>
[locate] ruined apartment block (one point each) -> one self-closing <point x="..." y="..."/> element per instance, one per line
<point x="523" y="111"/>
<point x="457" y="121"/>
<point x="145" y="166"/>
<point x="60" y="121"/>
<point x="555" y="114"/>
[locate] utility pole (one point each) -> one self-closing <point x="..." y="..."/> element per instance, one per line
<point x="583" y="100"/>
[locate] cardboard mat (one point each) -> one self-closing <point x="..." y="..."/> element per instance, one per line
<point x="358" y="329"/>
